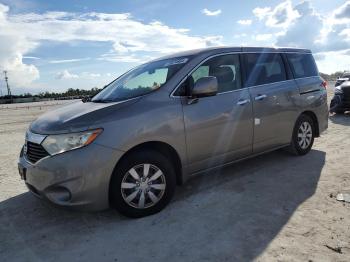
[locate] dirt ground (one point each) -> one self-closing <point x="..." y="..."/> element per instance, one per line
<point x="275" y="207"/>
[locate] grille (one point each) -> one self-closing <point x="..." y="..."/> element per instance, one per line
<point x="35" y="152"/>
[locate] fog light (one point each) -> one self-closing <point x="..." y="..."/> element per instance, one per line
<point x="59" y="194"/>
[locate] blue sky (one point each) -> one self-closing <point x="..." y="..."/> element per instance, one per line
<point x="56" y="45"/>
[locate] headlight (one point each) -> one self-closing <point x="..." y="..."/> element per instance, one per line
<point x="55" y="144"/>
<point x="338" y="90"/>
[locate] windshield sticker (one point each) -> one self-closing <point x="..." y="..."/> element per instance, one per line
<point x="177" y="62"/>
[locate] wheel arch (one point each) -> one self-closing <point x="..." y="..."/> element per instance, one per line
<point x="163" y="148"/>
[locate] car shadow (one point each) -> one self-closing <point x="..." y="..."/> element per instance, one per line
<point x="341" y="119"/>
<point x="229" y="214"/>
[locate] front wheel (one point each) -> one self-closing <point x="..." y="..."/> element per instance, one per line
<point x="303" y="136"/>
<point x="142" y="184"/>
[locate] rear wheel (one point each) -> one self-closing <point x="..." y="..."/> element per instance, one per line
<point x="142" y="184"/>
<point x="303" y="136"/>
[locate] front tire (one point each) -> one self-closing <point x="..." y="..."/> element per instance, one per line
<point x="303" y="136"/>
<point x="142" y="184"/>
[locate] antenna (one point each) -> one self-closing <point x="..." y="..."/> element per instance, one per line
<point x="7" y="85"/>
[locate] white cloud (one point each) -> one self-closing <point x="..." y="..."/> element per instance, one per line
<point x="305" y="29"/>
<point x="263" y="37"/>
<point x="12" y="48"/>
<point x="343" y="11"/>
<point x="22" y="33"/>
<point x="245" y="22"/>
<point x="88" y="75"/>
<point x="261" y="13"/>
<point x="302" y="25"/>
<point x="280" y="16"/>
<point x="211" y="13"/>
<point x="31" y="57"/>
<point x="330" y="62"/>
<point x="319" y="33"/>
<point x="112" y="57"/>
<point x="240" y="35"/>
<point x="65" y="74"/>
<point x="63" y="61"/>
<point x="319" y="56"/>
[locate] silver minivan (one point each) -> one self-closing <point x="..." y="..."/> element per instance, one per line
<point x="164" y="121"/>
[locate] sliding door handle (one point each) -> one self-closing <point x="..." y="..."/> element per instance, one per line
<point x="243" y="102"/>
<point x="260" y="97"/>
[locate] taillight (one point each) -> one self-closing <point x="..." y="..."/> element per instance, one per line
<point x="324" y="84"/>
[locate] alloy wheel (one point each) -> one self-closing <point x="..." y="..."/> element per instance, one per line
<point x="143" y="186"/>
<point x="304" y="135"/>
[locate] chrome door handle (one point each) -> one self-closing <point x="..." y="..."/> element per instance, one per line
<point x="260" y="97"/>
<point x="243" y="102"/>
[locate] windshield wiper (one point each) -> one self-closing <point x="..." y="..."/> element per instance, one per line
<point x="102" y="100"/>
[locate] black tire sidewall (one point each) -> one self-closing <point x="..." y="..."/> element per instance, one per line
<point x="141" y="157"/>
<point x="298" y="150"/>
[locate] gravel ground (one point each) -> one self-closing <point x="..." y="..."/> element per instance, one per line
<point x="275" y="207"/>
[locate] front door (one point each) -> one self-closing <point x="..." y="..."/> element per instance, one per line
<point x="219" y="129"/>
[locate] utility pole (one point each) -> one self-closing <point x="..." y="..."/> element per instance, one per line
<point x="7" y="85"/>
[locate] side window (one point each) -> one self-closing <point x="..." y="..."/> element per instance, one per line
<point x="303" y="65"/>
<point x="225" y="68"/>
<point x="202" y="71"/>
<point x="264" y="68"/>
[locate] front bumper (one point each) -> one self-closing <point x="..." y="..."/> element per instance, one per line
<point x="76" y="179"/>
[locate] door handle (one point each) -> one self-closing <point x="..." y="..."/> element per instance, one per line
<point x="243" y="102"/>
<point x="260" y="97"/>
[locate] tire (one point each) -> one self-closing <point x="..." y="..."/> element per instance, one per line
<point x="136" y="198"/>
<point x="297" y="147"/>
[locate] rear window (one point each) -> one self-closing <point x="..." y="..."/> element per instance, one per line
<point x="264" y="68"/>
<point x="302" y="65"/>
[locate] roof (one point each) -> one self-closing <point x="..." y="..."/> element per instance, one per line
<point x="226" y="49"/>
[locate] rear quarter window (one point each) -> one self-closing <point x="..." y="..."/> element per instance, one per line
<point x="302" y="65"/>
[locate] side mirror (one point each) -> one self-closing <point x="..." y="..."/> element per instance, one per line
<point x="205" y="86"/>
<point x="86" y="99"/>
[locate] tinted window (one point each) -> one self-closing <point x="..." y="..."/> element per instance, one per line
<point x="225" y="68"/>
<point x="264" y="68"/>
<point x="303" y="65"/>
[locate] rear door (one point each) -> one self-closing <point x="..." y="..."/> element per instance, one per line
<point x="273" y="96"/>
<point x="219" y="128"/>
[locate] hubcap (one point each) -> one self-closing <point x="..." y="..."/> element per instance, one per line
<point x="304" y="135"/>
<point x="143" y="186"/>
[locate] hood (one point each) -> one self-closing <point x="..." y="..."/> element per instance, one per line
<point x="75" y="117"/>
<point x="345" y="84"/>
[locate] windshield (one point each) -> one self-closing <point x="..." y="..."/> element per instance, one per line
<point x="141" y="80"/>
